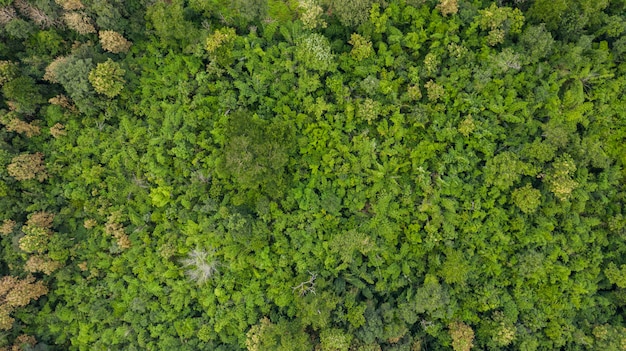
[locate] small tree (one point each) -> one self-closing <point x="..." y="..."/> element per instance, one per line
<point x="107" y="78"/>
<point x="201" y="265"/>
<point x="7" y="14"/>
<point x="500" y="21"/>
<point x="8" y="72"/>
<point x="335" y="340"/>
<point x="560" y="178"/>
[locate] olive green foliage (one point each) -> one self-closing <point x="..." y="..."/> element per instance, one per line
<point x="24" y="93"/>
<point x="107" y="78"/>
<point x="500" y="22"/>
<point x="346" y="175"/>
<point x="256" y="152"/>
<point x="8" y="72"/>
<point x="352" y="13"/>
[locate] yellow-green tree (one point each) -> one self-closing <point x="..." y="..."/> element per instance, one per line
<point x="108" y="78"/>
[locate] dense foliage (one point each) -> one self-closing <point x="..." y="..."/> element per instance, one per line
<point x="312" y="175"/>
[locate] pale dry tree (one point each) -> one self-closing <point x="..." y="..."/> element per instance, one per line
<point x="7" y="13"/>
<point x="79" y="22"/>
<point x="35" y="14"/>
<point x="114" y="42"/>
<point x="201" y="265"/>
<point x="70" y="5"/>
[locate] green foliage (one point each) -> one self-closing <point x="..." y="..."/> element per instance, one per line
<point x="19" y="28"/>
<point x="526" y="198"/>
<point x="256" y="152"/>
<point x="167" y="19"/>
<point x="505" y="170"/>
<point x="161" y="196"/>
<point x="24" y="92"/>
<point x="616" y="275"/>
<point x="220" y="44"/>
<point x="500" y="21"/>
<point x="361" y="47"/>
<point x="282" y="336"/>
<point x="455" y="268"/>
<point x="462" y="336"/>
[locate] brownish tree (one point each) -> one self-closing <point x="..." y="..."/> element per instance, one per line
<point x="114" y="42"/>
<point x="79" y="22"/>
<point x="28" y="166"/>
<point x="15" y="292"/>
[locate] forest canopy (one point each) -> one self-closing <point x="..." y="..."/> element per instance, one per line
<point x="334" y="175"/>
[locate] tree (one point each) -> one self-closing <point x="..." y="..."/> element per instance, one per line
<point x="505" y="170"/>
<point x="7" y="14"/>
<point x="462" y="336"/>
<point x="282" y="336"/>
<point x="70" y="5"/>
<point x="560" y="177"/>
<point x="219" y="45"/>
<point x="80" y="22"/>
<point x="72" y="73"/>
<point x="8" y="72"/>
<point x="108" y="78"/>
<point x="15" y="124"/>
<point x="448" y="7"/>
<point x="361" y="47"/>
<point x="256" y="152"/>
<point x="14" y="293"/>
<point x="18" y="28"/>
<point x="167" y="19"/>
<point x="310" y="14"/>
<point x="352" y="13"/>
<point x="334" y="340"/>
<point x="314" y="52"/>
<point x="114" y="42"/>
<point x="500" y="21"/>
<point x="28" y="166"/>
<point x="537" y="43"/>
<point x="526" y="198"/>
<point x="24" y="93"/>
<point x="201" y="264"/>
